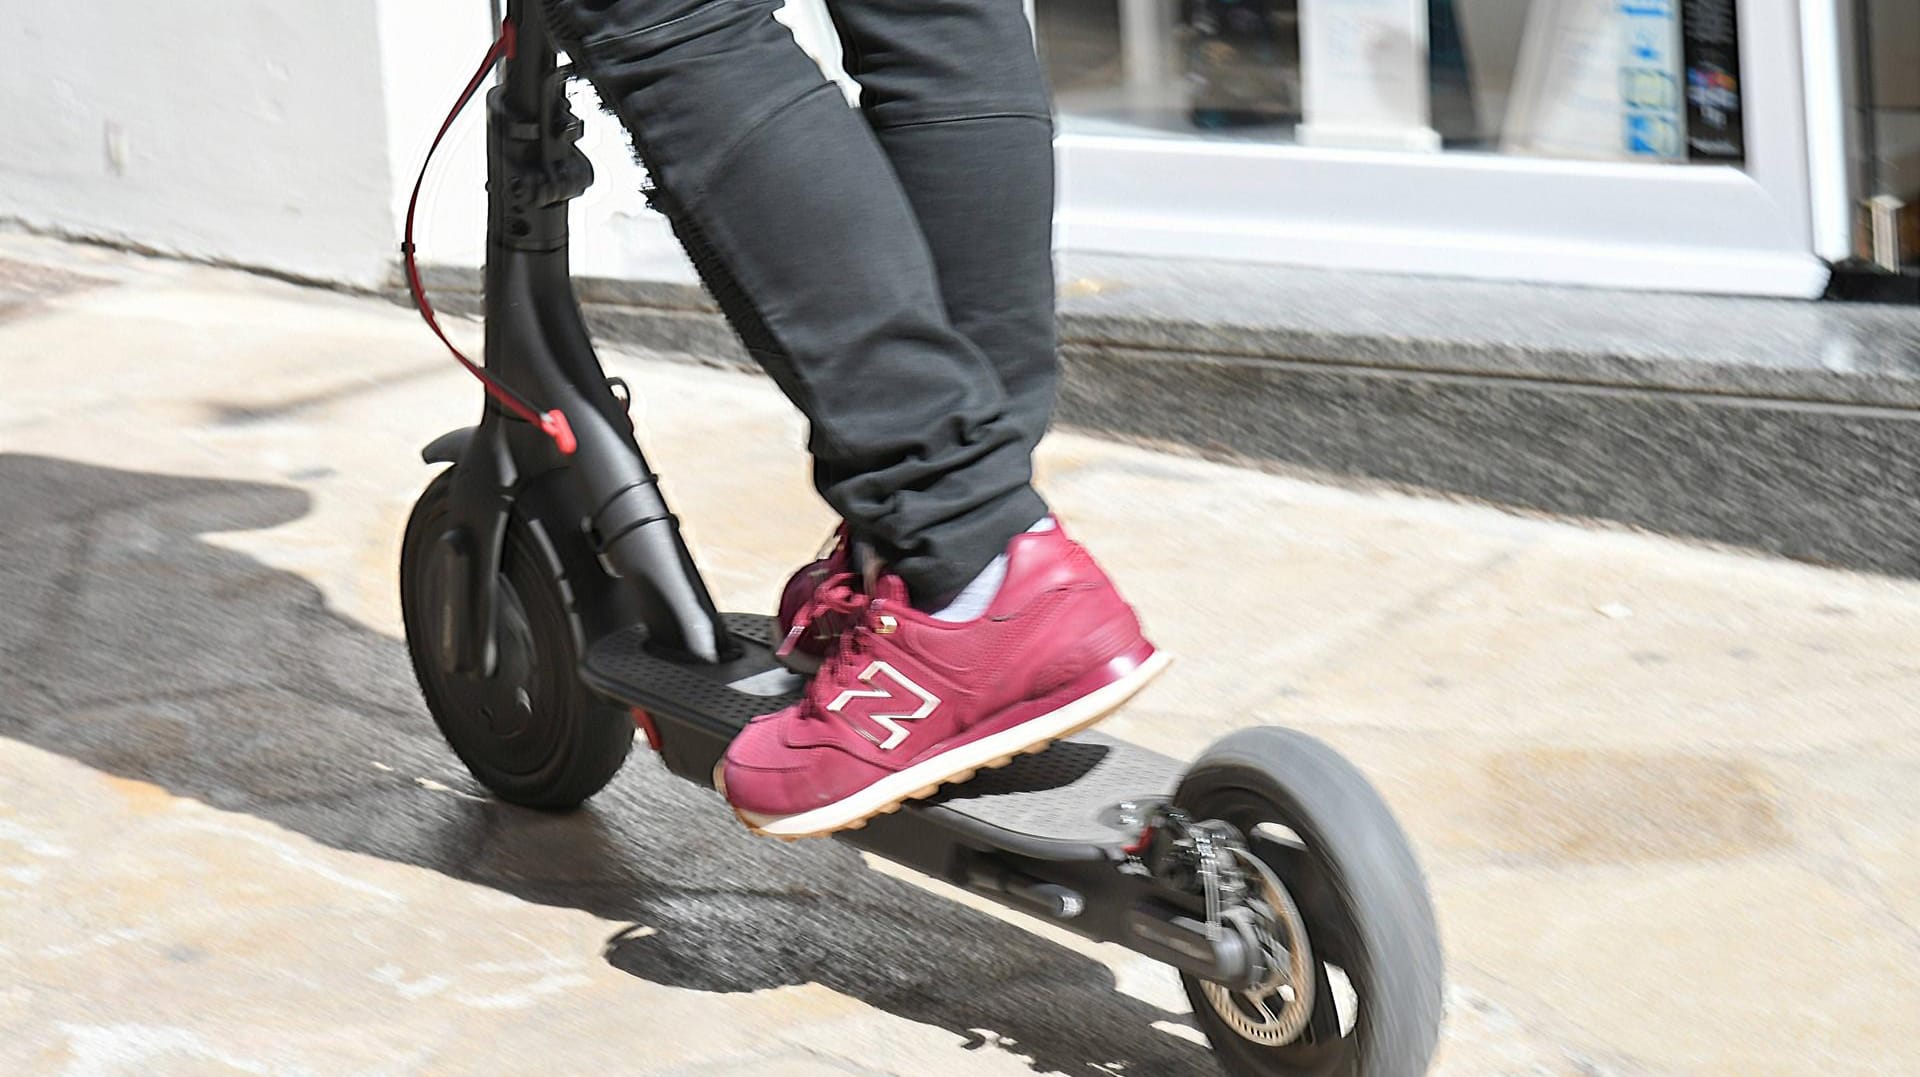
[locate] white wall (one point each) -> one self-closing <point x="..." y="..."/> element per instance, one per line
<point x="286" y="134"/>
<point x="245" y="132"/>
<point x="428" y="50"/>
<point x="614" y="234"/>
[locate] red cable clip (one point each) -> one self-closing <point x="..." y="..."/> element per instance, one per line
<point x="556" y="426"/>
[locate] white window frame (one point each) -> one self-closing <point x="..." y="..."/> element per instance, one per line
<point x="1672" y="227"/>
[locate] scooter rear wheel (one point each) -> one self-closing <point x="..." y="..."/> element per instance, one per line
<point x="531" y="732"/>
<point x="1362" y="902"/>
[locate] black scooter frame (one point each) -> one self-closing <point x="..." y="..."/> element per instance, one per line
<point x="644" y="618"/>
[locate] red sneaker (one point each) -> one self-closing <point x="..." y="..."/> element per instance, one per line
<point x="907" y="703"/>
<point x="808" y="629"/>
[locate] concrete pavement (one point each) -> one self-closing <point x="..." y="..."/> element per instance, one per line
<point x="1667" y="795"/>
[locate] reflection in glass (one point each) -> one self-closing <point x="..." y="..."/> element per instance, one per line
<point x="1889" y="38"/>
<point x="1649" y="80"/>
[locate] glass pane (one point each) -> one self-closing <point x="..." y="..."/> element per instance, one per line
<point x="1174" y="67"/>
<point x="1890" y="61"/>
<point x="1651" y="80"/>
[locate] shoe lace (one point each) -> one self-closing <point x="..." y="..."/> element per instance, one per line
<point x="841" y="595"/>
<point x="826" y="600"/>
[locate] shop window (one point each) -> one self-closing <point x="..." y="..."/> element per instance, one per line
<point x="1640" y="80"/>
<point x="1889" y="123"/>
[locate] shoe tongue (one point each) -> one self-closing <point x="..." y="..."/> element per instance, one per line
<point x="889" y="588"/>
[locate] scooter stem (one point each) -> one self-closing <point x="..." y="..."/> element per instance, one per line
<point x="537" y="342"/>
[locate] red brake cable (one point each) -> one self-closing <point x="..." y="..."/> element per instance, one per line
<point x="554" y="422"/>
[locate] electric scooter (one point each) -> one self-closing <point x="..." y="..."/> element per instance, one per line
<point x="552" y="608"/>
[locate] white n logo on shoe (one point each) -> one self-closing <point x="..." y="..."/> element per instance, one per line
<point x="890" y="722"/>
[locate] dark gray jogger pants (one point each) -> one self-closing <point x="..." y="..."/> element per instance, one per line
<point x="889" y="266"/>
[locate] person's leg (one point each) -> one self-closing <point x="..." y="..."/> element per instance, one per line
<point x="954" y="91"/>
<point x="800" y="226"/>
<point x="796" y="221"/>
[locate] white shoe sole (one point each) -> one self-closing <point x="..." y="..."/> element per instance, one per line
<point x="925" y="778"/>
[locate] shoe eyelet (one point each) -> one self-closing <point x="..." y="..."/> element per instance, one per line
<point x="887" y="625"/>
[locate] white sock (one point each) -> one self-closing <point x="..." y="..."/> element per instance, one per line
<point x="977" y="595"/>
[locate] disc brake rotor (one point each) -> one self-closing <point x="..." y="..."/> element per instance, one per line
<point x="1276" y="1011"/>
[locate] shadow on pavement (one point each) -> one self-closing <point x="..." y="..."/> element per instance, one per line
<point x="131" y="644"/>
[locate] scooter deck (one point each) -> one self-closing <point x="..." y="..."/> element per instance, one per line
<point x="1062" y="803"/>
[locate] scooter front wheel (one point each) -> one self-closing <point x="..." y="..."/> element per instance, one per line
<point x="1367" y="1003"/>
<point x="529" y="731"/>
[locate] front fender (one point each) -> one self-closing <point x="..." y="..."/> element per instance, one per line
<point x="449" y="447"/>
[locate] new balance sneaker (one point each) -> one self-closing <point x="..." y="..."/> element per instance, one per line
<point x="808" y="629"/>
<point x="906" y="703"/>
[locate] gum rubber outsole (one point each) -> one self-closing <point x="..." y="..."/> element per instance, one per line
<point x="1159" y="663"/>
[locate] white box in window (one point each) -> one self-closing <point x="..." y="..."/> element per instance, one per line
<point x="1363" y="67"/>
